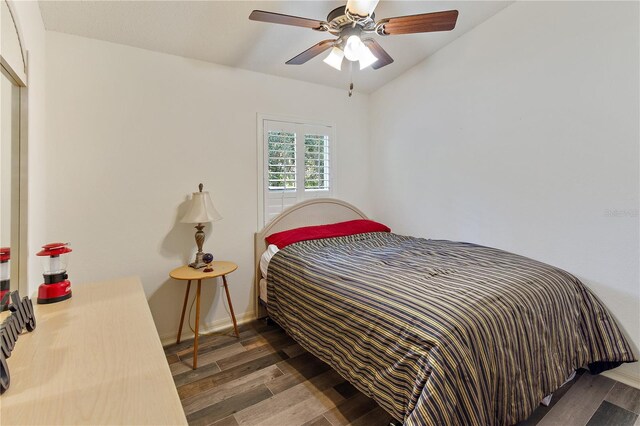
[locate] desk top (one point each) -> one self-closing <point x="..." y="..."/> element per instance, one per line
<point x="93" y="359"/>
<point x="220" y="267"/>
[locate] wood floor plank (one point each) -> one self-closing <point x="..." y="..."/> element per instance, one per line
<point x="207" y="340"/>
<point x="214" y="345"/>
<point x="210" y="347"/>
<point x="191" y="375"/>
<point x="227" y="421"/>
<point x="375" y="417"/>
<point x="218" y="340"/>
<point x="229" y="406"/>
<point x="259" y="326"/>
<point x="305" y="410"/>
<point x="263" y="412"/>
<point x="247" y="356"/>
<point x="294" y="350"/>
<point x="303" y="363"/>
<point x="234" y="373"/>
<point x="318" y="421"/>
<point x="542" y="411"/>
<point x="346" y="389"/>
<point x="609" y="414"/>
<point x="226" y="390"/>
<point x="186" y="362"/>
<point x="579" y="403"/>
<point x="271" y="337"/>
<point x="172" y="358"/>
<point x="350" y="410"/>
<point x="297" y="370"/>
<point x="625" y="396"/>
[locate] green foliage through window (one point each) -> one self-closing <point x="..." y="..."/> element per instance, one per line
<point x="282" y="161"/>
<point x="316" y="162"/>
<point x="282" y="170"/>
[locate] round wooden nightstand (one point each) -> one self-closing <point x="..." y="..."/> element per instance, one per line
<point x="187" y="273"/>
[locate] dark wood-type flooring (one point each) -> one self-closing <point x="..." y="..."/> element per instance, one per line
<point x="266" y="378"/>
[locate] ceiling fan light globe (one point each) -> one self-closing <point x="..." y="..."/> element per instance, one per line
<point x="366" y="57"/>
<point x="334" y="59"/>
<point x="353" y="48"/>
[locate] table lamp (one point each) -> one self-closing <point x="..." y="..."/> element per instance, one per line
<point x="200" y="211"/>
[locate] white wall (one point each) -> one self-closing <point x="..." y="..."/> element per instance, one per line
<point x="132" y="133"/>
<point x="523" y="135"/>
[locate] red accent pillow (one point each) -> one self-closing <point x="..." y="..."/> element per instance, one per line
<point x="340" y="229"/>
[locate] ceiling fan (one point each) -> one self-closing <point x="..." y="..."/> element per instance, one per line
<point x="354" y="24"/>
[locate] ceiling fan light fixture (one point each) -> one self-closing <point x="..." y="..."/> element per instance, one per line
<point x="366" y="57"/>
<point x="353" y="48"/>
<point x="349" y="23"/>
<point x="334" y="59"/>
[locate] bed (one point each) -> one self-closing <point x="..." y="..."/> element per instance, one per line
<point x="437" y="332"/>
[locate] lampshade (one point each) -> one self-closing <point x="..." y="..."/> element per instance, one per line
<point x="335" y="58"/>
<point x="366" y="57"/>
<point x="201" y="209"/>
<point x="362" y="7"/>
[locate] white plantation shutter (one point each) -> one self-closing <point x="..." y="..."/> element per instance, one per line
<point x="282" y="160"/>
<point x="280" y="167"/>
<point x="296" y="166"/>
<point x="316" y="160"/>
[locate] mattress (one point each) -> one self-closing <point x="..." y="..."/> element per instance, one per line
<point x="264" y="269"/>
<point x="266" y="258"/>
<point x="441" y="332"/>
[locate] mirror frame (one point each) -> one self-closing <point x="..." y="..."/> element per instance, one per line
<point x="19" y="197"/>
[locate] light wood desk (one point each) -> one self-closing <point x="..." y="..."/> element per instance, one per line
<point x="93" y="359"/>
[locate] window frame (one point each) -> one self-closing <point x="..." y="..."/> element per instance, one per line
<point x="300" y="194"/>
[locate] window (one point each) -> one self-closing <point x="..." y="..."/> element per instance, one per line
<point x="296" y="158"/>
<point x="281" y="160"/>
<point x="316" y="162"/>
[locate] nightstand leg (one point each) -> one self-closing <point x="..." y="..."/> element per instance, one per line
<point x="233" y="316"/>
<point x="195" y="342"/>
<point x="184" y="309"/>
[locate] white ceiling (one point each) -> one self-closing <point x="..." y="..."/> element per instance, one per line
<point x="220" y="32"/>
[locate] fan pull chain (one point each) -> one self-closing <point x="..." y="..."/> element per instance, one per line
<point x="350" y="78"/>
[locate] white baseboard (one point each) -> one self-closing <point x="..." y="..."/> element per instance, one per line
<point x="215" y="326"/>
<point x="623" y="377"/>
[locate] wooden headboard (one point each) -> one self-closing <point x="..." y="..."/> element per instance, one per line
<point x="318" y="211"/>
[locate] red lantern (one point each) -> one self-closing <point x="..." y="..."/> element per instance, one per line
<point x="5" y="256"/>
<point x="56" y="286"/>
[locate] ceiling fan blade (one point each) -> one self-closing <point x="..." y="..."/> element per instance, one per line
<point x="279" y="18"/>
<point x="311" y="52"/>
<point x="423" y="23"/>
<point x="378" y="52"/>
<point x="362" y="8"/>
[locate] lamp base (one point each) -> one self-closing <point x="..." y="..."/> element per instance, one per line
<point x="199" y="263"/>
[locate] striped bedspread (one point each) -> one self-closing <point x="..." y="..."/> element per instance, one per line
<point x="441" y="332"/>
